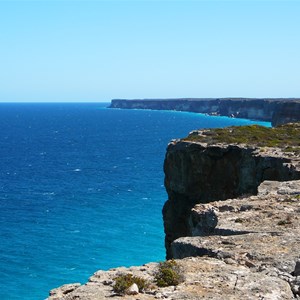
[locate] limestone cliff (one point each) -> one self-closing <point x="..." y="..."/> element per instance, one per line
<point x="286" y="113"/>
<point x="202" y="168"/>
<point x="239" y="249"/>
<point x="265" y="227"/>
<point x="245" y="246"/>
<point x="278" y="111"/>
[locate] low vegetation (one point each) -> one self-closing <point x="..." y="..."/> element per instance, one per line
<point x="124" y="281"/>
<point x="168" y="274"/>
<point x="285" y="136"/>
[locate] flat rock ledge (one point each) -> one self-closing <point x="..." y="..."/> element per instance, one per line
<point x="205" y="278"/>
<point x="245" y="248"/>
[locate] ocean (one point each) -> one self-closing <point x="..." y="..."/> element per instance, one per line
<point x="81" y="189"/>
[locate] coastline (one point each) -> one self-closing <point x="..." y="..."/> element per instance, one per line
<point x="225" y="229"/>
<point x="278" y="111"/>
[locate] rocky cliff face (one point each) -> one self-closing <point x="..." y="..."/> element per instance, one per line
<point x="239" y="249"/>
<point x="265" y="226"/>
<point x="200" y="173"/>
<point x="286" y="113"/>
<point x="232" y="220"/>
<point x="277" y="111"/>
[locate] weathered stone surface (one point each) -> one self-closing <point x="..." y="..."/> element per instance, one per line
<point x="205" y="278"/>
<point x="243" y="247"/>
<point x="132" y="290"/>
<point x="251" y="252"/>
<point x="262" y="230"/>
<point x="279" y="188"/>
<point x="198" y="173"/>
<point x="203" y="220"/>
<point x="60" y="292"/>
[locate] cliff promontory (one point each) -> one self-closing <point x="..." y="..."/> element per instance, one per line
<point x="219" y="164"/>
<point x="243" y="248"/>
<point x="278" y="111"/>
<point x="232" y="221"/>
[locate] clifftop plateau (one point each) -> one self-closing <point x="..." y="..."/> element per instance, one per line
<point x="276" y="110"/>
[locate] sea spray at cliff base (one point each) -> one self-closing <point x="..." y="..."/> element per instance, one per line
<point x="81" y="189"/>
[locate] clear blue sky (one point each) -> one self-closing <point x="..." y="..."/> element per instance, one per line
<point x="99" y="50"/>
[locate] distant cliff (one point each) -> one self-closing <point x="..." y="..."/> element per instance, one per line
<point x="278" y="111"/>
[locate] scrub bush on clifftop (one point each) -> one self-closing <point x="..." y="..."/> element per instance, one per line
<point x="168" y="274"/>
<point x="124" y="281"/>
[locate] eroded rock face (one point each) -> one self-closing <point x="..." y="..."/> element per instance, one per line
<point x="232" y="222"/>
<point x="198" y="173"/>
<point x="248" y="249"/>
<point x="258" y="231"/>
<point x="286" y="113"/>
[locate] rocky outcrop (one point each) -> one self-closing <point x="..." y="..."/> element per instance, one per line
<point x="277" y="111"/>
<point x="259" y="231"/>
<point x="199" y="173"/>
<point x="245" y="248"/>
<point x="204" y="278"/>
<point x="232" y="220"/>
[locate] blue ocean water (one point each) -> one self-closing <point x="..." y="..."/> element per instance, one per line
<point x="81" y="189"/>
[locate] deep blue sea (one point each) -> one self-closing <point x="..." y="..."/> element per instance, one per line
<point x="81" y="189"/>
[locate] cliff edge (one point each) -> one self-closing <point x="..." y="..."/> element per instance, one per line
<point x="238" y="249"/>
<point x="231" y="220"/>
<point x="219" y="164"/>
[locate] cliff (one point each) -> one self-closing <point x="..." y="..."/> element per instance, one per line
<point x="278" y="111"/>
<point x="261" y="231"/>
<point x="231" y="220"/>
<point x="220" y="164"/>
<point x="245" y="248"/>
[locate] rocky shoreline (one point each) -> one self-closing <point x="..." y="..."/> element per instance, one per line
<point x="232" y="221"/>
<point x="276" y="110"/>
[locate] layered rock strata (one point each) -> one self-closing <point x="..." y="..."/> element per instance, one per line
<point x="240" y="249"/>
<point x="199" y="173"/>
<point x="278" y="111"/>
<point x="232" y="220"/>
<point x="258" y="231"/>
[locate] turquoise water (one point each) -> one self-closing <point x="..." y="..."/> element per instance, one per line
<point x="81" y="189"/>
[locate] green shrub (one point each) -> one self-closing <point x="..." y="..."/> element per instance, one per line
<point x="124" y="281"/>
<point x="286" y="137"/>
<point x="168" y="273"/>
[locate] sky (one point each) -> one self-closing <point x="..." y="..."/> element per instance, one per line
<point x="92" y="51"/>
